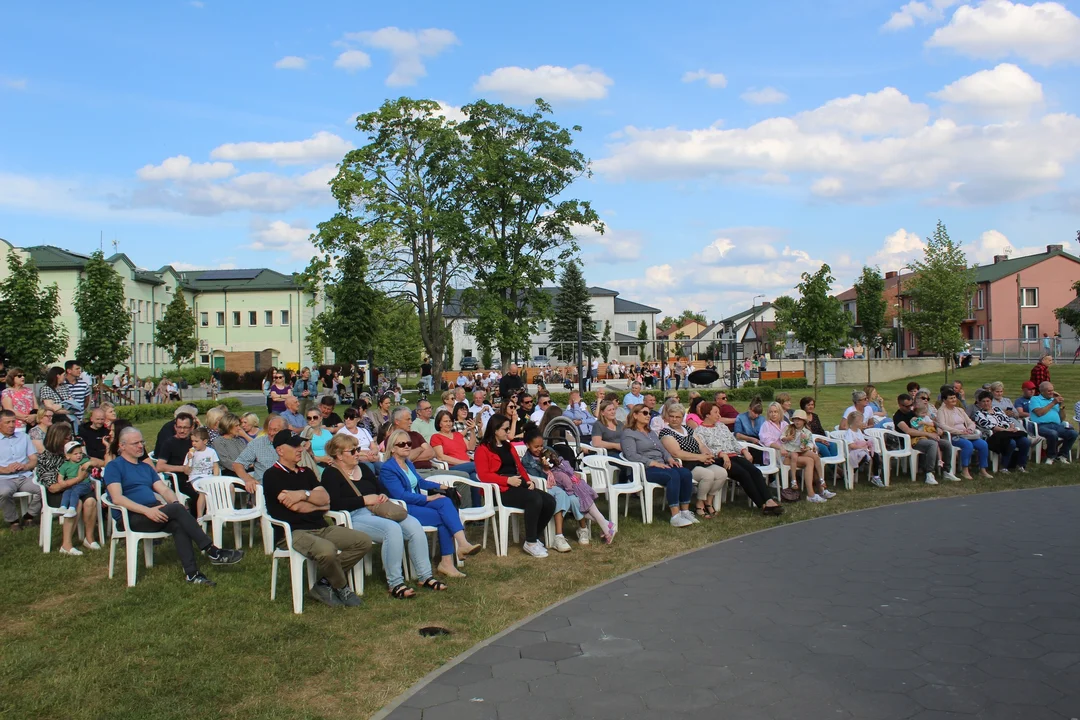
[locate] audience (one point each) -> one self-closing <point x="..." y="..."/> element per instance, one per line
<point x="924" y="438"/>
<point x="714" y="436"/>
<point x="230" y="442"/>
<point x="18" y="397"/>
<point x="260" y="454"/>
<point x="680" y="442"/>
<point x="861" y="449"/>
<point x="953" y="419"/>
<point x="640" y="444"/>
<point x="565" y="502"/>
<point x="1048" y="414"/>
<point x="18" y="458"/>
<point x="1001" y="436"/>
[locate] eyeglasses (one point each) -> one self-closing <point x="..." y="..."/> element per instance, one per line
<point x="403" y="445"/>
<point x="354" y="451"/>
<point x="314" y="417"/>
<point x="20" y="375"/>
<point x="278" y="377"/>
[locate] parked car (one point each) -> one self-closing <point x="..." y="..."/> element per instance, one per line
<point x="540" y="361"/>
<point x="469" y="363"/>
<point x="496" y="364"/>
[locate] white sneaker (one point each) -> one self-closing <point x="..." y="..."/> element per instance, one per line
<point x="1022" y="469"/>
<point x="62" y="511"/>
<point x="679" y="520"/>
<point x="1049" y="461"/>
<point x="876" y="481"/>
<point x="535" y="549"/>
<point x="930" y="479"/>
<point x="950" y="477"/>
<point x="1063" y="459"/>
<point x="583" y="536"/>
<point x="73" y="551"/>
<point x="816" y="499"/>
<point x="689" y="516"/>
<point x="91" y="545"/>
<point x="71" y="512"/>
<point x="1003" y="471"/>
<point x="828" y="494"/>
<point x="561" y="545"/>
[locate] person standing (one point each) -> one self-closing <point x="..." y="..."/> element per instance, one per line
<point x="305" y="391"/>
<point x="74" y="390"/>
<point x="511" y="382"/>
<point x="425" y="375"/>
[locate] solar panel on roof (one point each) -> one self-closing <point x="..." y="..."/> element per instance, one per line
<point x="229" y="275"/>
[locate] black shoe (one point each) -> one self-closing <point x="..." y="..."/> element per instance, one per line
<point x="225" y="557"/>
<point x="347" y="597"/>
<point x="324" y="594"/>
<point x="200" y="579"/>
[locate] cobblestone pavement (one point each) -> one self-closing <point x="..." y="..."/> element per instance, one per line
<point x="961" y="608"/>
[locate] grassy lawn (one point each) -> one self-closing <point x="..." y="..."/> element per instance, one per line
<point x="77" y="645"/>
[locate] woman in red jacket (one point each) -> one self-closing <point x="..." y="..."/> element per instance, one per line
<point x="498" y="463"/>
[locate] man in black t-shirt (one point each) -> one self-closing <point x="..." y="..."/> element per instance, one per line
<point x="168" y="429"/>
<point x="93" y="435"/>
<point x="294" y="495"/>
<point x="425" y="375"/>
<point x="330" y="419"/>
<point x="931" y="444"/>
<point x="511" y="382"/>
<point x="171" y="454"/>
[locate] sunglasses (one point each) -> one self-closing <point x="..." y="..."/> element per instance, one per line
<point x="314" y="417"/>
<point x="403" y="445"/>
<point x="20" y="375"/>
<point x="643" y="412"/>
<point x="278" y="377"/>
<point x="723" y="397"/>
<point x="355" y="451"/>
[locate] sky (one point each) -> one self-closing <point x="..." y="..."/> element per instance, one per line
<point x="734" y="146"/>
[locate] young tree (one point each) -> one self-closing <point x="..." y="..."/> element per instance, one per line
<point x="870" y="308"/>
<point x="397" y="341"/>
<point x="572" y="305"/>
<point x="603" y="348"/>
<point x="104" y="322"/>
<point x="30" y="327"/>
<point x="1068" y="315"/>
<point x="642" y="336"/>
<point x="348" y="323"/>
<point x="819" y="321"/>
<point x="520" y="165"/>
<point x="176" y="331"/>
<point x="940" y="291"/>
<point x="315" y="341"/>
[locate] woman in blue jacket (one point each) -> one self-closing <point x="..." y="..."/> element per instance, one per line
<point x="403" y="482"/>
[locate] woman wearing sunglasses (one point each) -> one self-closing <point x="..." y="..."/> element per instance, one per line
<point x="641" y="444"/>
<point x="403" y="482"/>
<point x="19" y="399"/>
<point x="318" y="435"/>
<point x="278" y="391"/>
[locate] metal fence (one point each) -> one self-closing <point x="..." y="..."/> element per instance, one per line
<point x="1014" y="350"/>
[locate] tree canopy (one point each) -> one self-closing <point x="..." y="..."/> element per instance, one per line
<point x="819" y="321"/>
<point x="1068" y="315"/>
<point x="104" y="322"/>
<point x="30" y="329"/>
<point x="571" y="306"/>
<point x="870" y="305"/>
<point x="176" y="331"/>
<point x="687" y="316"/>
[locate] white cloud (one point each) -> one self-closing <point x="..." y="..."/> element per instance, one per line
<point x="293" y="239"/>
<point x="407" y="48"/>
<point x="1004" y="90"/>
<point x="764" y="96"/>
<point x="1043" y="33"/>
<point x="614" y="246"/>
<point x="900" y="248"/>
<point x="713" y="80"/>
<point x="353" y="60"/>
<point x="13" y="83"/>
<point x="881" y="113"/>
<point x="181" y="169"/>
<point x="291" y="62"/>
<point x="452" y="112"/>
<point x="197" y="4"/>
<point x="551" y="82"/>
<point x="225" y="264"/>
<point x="925" y="13"/>
<point x="828" y="187"/>
<point x="320" y="146"/>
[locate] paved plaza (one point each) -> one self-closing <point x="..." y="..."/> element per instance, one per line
<point x="961" y="608"/>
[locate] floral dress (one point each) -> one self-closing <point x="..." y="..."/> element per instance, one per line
<point x="22" y="400"/>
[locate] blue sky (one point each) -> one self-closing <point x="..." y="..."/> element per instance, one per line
<point x="735" y="145"/>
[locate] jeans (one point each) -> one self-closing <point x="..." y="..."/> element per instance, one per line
<point x="394" y="537"/>
<point x="322" y="546"/>
<point x="75" y="493"/>
<point x="440" y="513"/>
<point x="566" y="503"/>
<point x="967" y="447"/>
<point x="182" y="526"/>
<point x="1005" y="447"/>
<point x="539" y="508"/>
<point x="678" y="483"/>
<point x="1059" y="439"/>
<point x="826" y="449"/>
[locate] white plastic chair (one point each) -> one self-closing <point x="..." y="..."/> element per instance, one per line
<point x="906" y="452"/>
<point x="50" y="514"/>
<point x="771" y="467"/>
<point x="850" y="471"/>
<point x="599" y="471"/>
<point x="131" y="538"/>
<point x="504" y="515"/>
<point x="839" y="459"/>
<point x="219" y="491"/>
<point x="22" y="498"/>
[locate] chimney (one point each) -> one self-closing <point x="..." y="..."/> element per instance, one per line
<point x="766" y="303"/>
<point x="1000" y="258"/>
<point x="890" y="274"/>
<point x="1054" y="248"/>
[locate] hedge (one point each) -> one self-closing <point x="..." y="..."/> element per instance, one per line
<point x="193" y="375"/>
<point x="744" y="394"/>
<point x="142" y="413"/>
<point x="784" y="383"/>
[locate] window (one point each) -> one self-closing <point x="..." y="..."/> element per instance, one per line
<point x="140" y="311"/>
<point x="627" y="350"/>
<point x="204" y="359"/>
<point x="220" y="319"/>
<point x="541" y="326"/>
<point x="236" y="318"/>
<point x="466" y="353"/>
<point x="541" y="351"/>
<point x="982" y="331"/>
<point x="971" y="309"/>
<point x="268" y="317"/>
<point x="154" y="314"/>
<point x="911" y="341"/>
<point x="1031" y="333"/>
<point x="599" y="326"/>
<point x="204" y="319"/>
<point x="253" y="318"/>
<point x="1029" y="297"/>
<point x="284" y="317"/>
<point x="980" y="299"/>
<point x="631" y="326"/>
<point x="131" y="305"/>
<point x="139" y="355"/>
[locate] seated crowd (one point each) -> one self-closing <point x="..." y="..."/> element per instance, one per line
<point x="373" y="462"/>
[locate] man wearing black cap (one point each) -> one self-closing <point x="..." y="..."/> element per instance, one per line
<point x="294" y="495"/>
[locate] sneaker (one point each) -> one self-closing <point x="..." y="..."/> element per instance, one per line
<point x="63" y="511"/>
<point x="610" y="537"/>
<point x="561" y="545"/>
<point x="200" y="579"/>
<point x="679" y="520"/>
<point x="829" y="495"/>
<point x="1021" y="469"/>
<point x="583" y="536"/>
<point x="689" y="515"/>
<point x="224" y="557"/>
<point x="950" y="477"/>
<point x="816" y="499"/>
<point x="347" y="597"/>
<point x="73" y="551"/>
<point x="1063" y="460"/>
<point x="876" y="481"/>
<point x="91" y="545"/>
<point x="1003" y="471"/>
<point x="930" y="479"/>
<point x="71" y="512"/>
<point x="535" y="549"/>
<point x="324" y="594"/>
<point x="1049" y="461"/>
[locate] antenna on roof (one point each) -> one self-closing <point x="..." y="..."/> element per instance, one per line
<point x="101" y="240"/>
<point x="115" y="245"/>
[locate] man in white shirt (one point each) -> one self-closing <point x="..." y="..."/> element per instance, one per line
<point x="480" y="408"/>
<point x="543" y="402"/>
<point x="859" y="404"/>
<point x="634" y="397"/>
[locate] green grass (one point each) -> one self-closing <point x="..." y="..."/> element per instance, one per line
<point x="77" y="645"/>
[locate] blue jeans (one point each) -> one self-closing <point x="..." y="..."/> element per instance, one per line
<point x="826" y="449"/>
<point x="1059" y="439"/>
<point x="678" y="482"/>
<point x="566" y="503"/>
<point x="441" y="514"/>
<point x="75" y="493"/>
<point x="969" y="446"/>
<point x="394" y="536"/>
<point x="1021" y="445"/>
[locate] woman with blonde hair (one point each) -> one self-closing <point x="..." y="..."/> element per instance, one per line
<point x="213" y="417"/>
<point x="641" y="445"/>
<point x="249" y="423"/>
<point x="230" y="442"/>
<point x="711" y="477"/>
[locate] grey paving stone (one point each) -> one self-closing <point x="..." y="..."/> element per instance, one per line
<point x="493" y="655"/>
<point x="465" y="674"/>
<point x="679" y="699"/>
<point x="523" y="669"/>
<point x="462" y="710"/>
<point x="494" y="690"/>
<point x="950" y="698"/>
<point x="520" y="638"/>
<point x="553" y="651"/>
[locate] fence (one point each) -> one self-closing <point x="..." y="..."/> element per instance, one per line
<point x="1014" y="350"/>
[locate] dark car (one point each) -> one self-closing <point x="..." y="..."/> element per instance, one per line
<point x="470" y="363"/>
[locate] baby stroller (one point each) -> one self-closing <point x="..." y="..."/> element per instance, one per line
<point x="343" y="393"/>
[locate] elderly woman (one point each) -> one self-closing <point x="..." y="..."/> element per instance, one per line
<point x="49" y="462"/>
<point x="19" y="399"/>
<point x="1000" y="402"/>
<point x="43" y="421"/>
<point x="353" y="489"/>
<point x="641" y="445"/>
<point x="1001" y="436"/>
<point x="679" y="441"/>
<point x="230" y="442"/>
<point x="213" y="417"/>
<point x="952" y="418"/>
<point x="402" y="482"/>
<point x="714" y="436"/>
<point x="250" y="424"/>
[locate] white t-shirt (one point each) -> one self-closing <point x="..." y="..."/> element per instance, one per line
<point x="363" y="437"/>
<point x="485" y="412"/>
<point x="462" y="381"/>
<point x="201" y="462"/>
<point x="868" y="415"/>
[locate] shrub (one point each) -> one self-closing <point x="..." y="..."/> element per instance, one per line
<point x="142" y="413"/>
<point x="193" y="375"/>
<point x="743" y="394"/>
<point x="784" y="383"/>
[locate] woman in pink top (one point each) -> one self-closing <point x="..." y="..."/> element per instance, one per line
<point x="952" y="418"/>
<point x="19" y="399"/>
<point x="451" y="447"/>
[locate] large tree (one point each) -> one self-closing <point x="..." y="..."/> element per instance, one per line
<point x="819" y="321"/>
<point x="348" y="323"/>
<point x="176" y="331"/>
<point x="519" y="166"/>
<point x="30" y="329"/>
<point x="870" y="308"/>
<point x="402" y="202"/>
<point x="572" y="306"/>
<point x="104" y="322"/>
<point x="939" y="292"/>
<point x="397" y="339"/>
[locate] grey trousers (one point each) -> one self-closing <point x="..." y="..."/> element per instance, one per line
<point x="931" y="450"/>
<point x="10" y="486"/>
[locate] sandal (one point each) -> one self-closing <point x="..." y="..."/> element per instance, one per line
<point x="701" y="512"/>
<point x="433" y="584"/>
<point x="402" y="592"/>
<point x="710" y="512"/>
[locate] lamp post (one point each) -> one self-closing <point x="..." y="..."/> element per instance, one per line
<point x="757" y="325"/>
<point x="134" y="350"/>
<point x="580" y="376"/>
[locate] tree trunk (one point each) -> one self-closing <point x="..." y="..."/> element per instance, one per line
<point x="815" y="379"/>
<point x="867" y="365"/>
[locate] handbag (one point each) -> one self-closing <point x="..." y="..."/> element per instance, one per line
<point x="388" y="510"/>
<point x="452" y="493"/>
<point x="790" y="495"/>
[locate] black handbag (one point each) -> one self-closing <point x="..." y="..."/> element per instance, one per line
<point x="452" y="493"/>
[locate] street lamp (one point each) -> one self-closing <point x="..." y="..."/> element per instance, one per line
<point x="757" y="325"/>
<point x="134" y="349"/>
